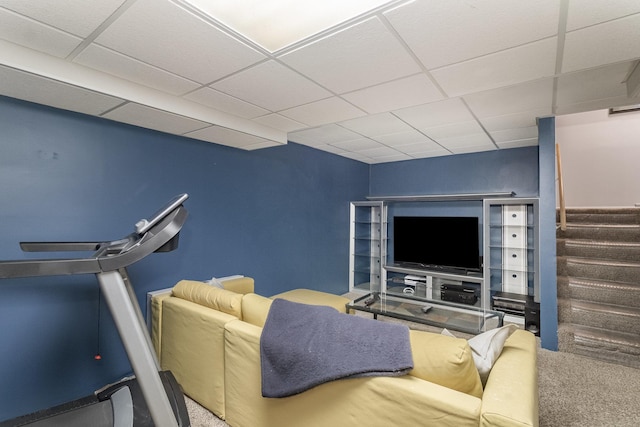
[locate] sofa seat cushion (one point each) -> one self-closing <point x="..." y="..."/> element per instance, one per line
<point x="209" y="296"/>
<point x="446" y="361"/>
<point x="308" y="296"/>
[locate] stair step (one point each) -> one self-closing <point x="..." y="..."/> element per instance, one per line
<point x="605" y="316"/>
<point x="616" y="347"/>
<point x="564" y="310"/>
<point x="598" y="266"/>
<point x="602" y="270"/>
<point x="599" y="291"/>
<point x="605" y="232"/>
<point x="615" y="250"/>
<point x="602" y="215"/>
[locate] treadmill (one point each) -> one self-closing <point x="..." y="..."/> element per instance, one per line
<point x="152" y="398"/>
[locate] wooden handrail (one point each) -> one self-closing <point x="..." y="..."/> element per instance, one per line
<point x="563" y="211"/>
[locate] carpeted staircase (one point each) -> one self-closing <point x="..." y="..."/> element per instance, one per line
<point x="599" y="285"/>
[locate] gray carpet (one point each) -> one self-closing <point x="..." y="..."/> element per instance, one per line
<point x="574" y="391"/>
<point x="579" y="391"/>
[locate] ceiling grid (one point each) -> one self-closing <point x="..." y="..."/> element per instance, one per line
<point x="393" y="81"/>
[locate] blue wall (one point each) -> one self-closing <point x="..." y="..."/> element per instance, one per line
<point x="280" y="215"/>
<point x="491" y="171"/>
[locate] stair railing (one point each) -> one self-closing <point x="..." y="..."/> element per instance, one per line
<point x="563" y="211"/>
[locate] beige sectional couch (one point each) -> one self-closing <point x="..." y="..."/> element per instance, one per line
<point x="210" y="339"/>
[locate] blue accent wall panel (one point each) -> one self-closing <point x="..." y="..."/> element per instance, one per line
<point x="492" y="171"/>
<point x="280" y="215"/>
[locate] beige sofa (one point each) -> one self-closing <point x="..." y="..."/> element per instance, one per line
<point x="210" y="339"/>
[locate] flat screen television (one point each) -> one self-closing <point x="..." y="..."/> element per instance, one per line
<point x="437" y="242"/>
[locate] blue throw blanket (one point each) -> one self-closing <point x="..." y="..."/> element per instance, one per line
<point x="303" y="346"/>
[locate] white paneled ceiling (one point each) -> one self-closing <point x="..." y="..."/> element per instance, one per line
<point x="405" y="80"/>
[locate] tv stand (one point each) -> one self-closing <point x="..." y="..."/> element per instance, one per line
<point x="509" y="249"/>
<point x="437" y="285"/>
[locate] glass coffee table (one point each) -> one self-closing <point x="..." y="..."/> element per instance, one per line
<point x="472" y="320"/>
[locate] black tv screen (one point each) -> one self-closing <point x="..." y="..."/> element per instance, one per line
<point x="437" y="242"/>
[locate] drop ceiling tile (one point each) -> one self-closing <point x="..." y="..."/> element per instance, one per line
<point x="606" y="43"/>
<point x="429" y="154"/>
<point x="323" y="135"/>
<point x="507" y="135"/>
<point x="272" y="86"/>
<point x="277" y="121"/>
<point x="408" y="137"/>
<point x="383" y="158"/>
<point x="381" y="152"/>
<point x="458" y="30"/>
<point x="435" y="114"/>
<point x="231" y="138"/>
<point x="29" y="87"/>
<point x="512" y="121"/>
<point x="375" y="125"/>
<point x="114" y="63"/>
<point x="523" y="63"/>
<point x="453" y="130"/>
<point x="362" y="55"/>
<point x="406" y="92"/>
<point x="151" y="118"/>
<point x="422" y="149"/>
<point x="149" y="29"/>
<point x="536" y="95"/>
<point x="591" y="85"/>
<point x="358" y="145"/>
<point x="43" y="38"/>
<point x="223" y="102"/>
<point x="469" y="140"/>
<point x="330" y="110"/>
<point x="79" y="17"/>
<point x="585" y="13"/>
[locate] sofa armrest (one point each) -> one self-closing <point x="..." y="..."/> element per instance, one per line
<point x="154" y="315"/>
<point x="371" y="401"/>
<point x="309" y="296"/>
<point x="193" y="350"/>
<point x="239" y="285"/>
<point x="511" y="394"/>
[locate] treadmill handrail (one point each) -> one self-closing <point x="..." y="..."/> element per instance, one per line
<point x="59" y="246"/>
<point x="128" y="251"/>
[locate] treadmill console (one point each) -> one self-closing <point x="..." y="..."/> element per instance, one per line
<point x="145" y="225"/>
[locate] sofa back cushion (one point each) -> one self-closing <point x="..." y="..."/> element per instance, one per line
<point x="255" y="309"/>
<point x="445" y="361"/>
<point x="209" y="296"/>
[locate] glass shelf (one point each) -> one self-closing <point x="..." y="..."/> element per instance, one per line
<point x="367" y="229"/>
